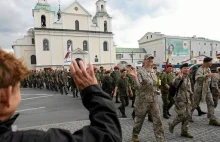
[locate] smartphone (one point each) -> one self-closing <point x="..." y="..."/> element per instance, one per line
<point x="77" y="61"/>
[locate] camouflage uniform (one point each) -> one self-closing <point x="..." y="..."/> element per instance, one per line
<point x="215" y="89"/>
<point x="116" y="76"/>
<point x="202" y="91"/>
<point x="123" y="90"/>
<point x="167" y="99"/>
<point x="46" y="79"/>
<point x="107" y="85"/>
<point x="72" y="85"/>
<point x="183" y="105"/>
<point x="133" y="87"/>
<point x="146" y="102"/>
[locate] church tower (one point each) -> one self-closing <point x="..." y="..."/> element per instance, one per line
<point x="102" y="18"/>
<point x="43" y="15"/>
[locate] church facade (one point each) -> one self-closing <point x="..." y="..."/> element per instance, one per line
<point x="59" y="37"/>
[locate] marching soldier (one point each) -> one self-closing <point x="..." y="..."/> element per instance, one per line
<point x="133" y="83"/>
<point x="123" y="87"/>
<point x="107" y="84"/>
<point x="215" y="87"/>
<point x="183" y="101"/>
<point x="146" y="100"/>
<point x="97" y="76"/>
<point x="116" y="76"/>
<point x="166" y="81"/>
<point x="202" y="90"/>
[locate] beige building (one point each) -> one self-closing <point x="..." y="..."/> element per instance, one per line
<point x="71" y="33"/>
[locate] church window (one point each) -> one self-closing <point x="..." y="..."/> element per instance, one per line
<point x="46" y="45"/>
<point x="105" y="46"/>
<point x="77" y="25"/>
<point x="102" y="7"/>
<point x="33" y="41"/>
<point x="85" y="46"/>
<point x="151" y="36"/>
<point x="33" y="60"/>
<point x="43" y="21"/>
<point x="105" y="26"/>
<point x="69" y="45"/>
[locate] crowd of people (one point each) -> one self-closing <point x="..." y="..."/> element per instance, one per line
<point x="184" y="90"/>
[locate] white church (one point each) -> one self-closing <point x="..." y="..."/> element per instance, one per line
<point x="58" y="37"/>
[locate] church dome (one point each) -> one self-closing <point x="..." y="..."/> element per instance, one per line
<point x="42" y="6"/>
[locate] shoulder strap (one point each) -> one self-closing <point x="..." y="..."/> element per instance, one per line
<point x="177" y="89"/>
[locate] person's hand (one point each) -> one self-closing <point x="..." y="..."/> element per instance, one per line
<point x="167" y="86"/>
<point x="133" y="73"/>
<point x="131" y="93"/>
<point x="211" y="75"/>
<point x="83" y="77"/>
<point x="115" y="94"/>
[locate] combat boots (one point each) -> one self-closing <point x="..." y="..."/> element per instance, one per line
<point x="214" y="123"/>
<point x="165" y="113"/>
<point x="135" y="138"/>
<point x="186" y="134"/>
<point x="200" y="112"/>
<point x="171" y="128"/>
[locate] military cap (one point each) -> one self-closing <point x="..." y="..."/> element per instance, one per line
<point x="195" y="67"/>
<point x="184" y="65"/>
<point x="129" y="65"/>
<point x="123" y="70"/>
<point x="148" y="56"/>
<point x="107" y="72"/>
<point x="169" y="66"/>
<point x="116" y="67"/>
<point x="207" y="59"/>
<point x="101" y="67"/>
<point x="154" y="67"/>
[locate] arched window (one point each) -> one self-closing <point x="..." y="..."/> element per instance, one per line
<point x="33" y="60"/>
<point x="46" y="45"/>
<point x="105" y="46"/>
<point x="69" y="45"/>
<point x="85" y="46"/>
<point x="102" y="7"/>
<point x="43" y="21"/>
<point x="33" y="41"/>
<point x="105" y="26"/>
<point x="77" y="25"/>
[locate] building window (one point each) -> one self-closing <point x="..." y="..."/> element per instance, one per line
<point x="105" y="46"/>
<point x="43" y="21"/>
<point x="204" y="43"/>
<point x="33" y="41"/>
<point x="69" y="45"/>
<point x="210" y="53"/>
<point x="204" y="52"/>
<point x="147" y="37"/>
<point x="46" y="45"/>
<point x="151" y="36"/>
<point x="102" y="7"/>
<point x="85" y="46"/>
<point x="105" y="26"/>
<point x="33" y="60"/>
<point x="155" y="54"/>
<point x="119" y="56"/>
<point x="77" y="25"/>
<point x="139" y="55"/>
<point x="199" y="53"/>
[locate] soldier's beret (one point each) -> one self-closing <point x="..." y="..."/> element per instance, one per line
<point x="123" y="70"/>
<point x="129" y="65"/>
<point x="107" y="72"/>
<point x="195" y="67"/>
<point x="169" y="66"/>
<point x="184" y="65"/>
<point x="101" y="67"/>
<point x="116" y="67"/>
<point x="154" y="67"/>
<point x="207" y="59"/>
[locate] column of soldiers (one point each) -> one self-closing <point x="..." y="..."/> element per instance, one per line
<point x="54" y="80"/>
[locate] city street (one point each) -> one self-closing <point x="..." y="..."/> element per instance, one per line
<point x="43" y="109"/>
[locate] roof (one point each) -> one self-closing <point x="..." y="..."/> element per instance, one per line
<point x="130" y="50"/>
<point x="42" y="6"/>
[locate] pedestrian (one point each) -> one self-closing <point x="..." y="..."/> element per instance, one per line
<point x="166" y="82"/>
<point x="146" y="99"/>
<point x="124" y="89"/>
<point x="107" y="84"/>
<point x="202" y="90"/>
<point x="104" y="124"/>
<point x="116" y="75"/>
<point x="183" y="101"/>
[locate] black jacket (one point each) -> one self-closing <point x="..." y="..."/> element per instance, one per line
<point x="104" y="127"/>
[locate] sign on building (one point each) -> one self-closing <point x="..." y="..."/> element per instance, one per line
<point x="176" y="47"/>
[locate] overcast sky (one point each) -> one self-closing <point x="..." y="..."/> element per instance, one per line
<point x="131" y="18"/>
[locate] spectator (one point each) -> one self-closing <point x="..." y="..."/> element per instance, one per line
<point x="104" y="125"/>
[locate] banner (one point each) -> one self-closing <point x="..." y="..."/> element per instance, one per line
<point x="176" y="47"/>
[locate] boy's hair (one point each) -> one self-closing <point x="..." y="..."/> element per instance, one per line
<point x="12" y="70"/>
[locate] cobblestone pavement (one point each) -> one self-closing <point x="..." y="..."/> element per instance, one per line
<point x="200" y="129"/>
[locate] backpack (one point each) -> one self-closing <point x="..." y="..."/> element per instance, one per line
<point x="173" y="91"/>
